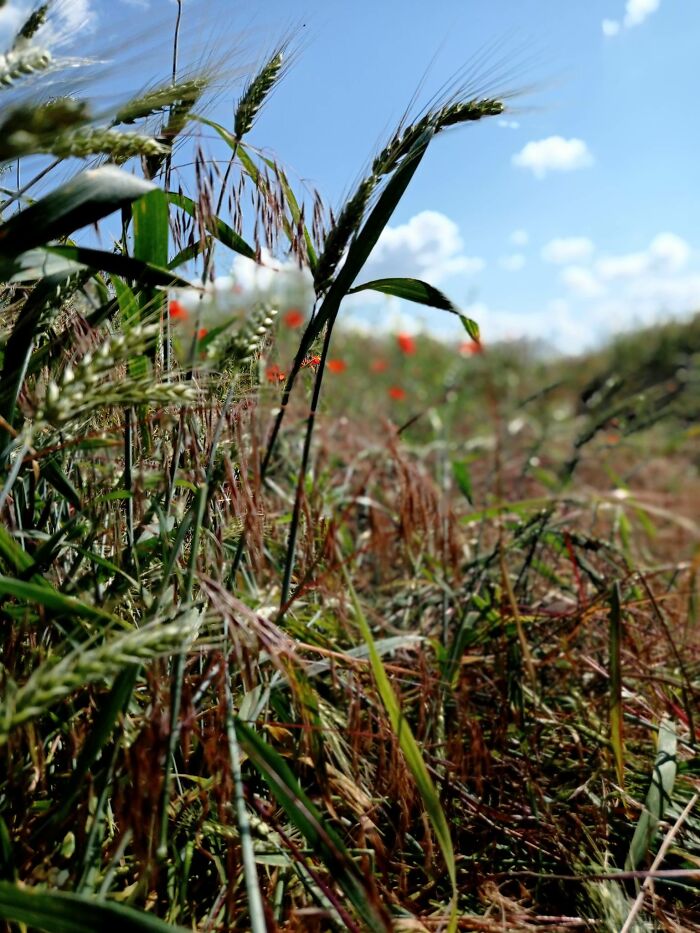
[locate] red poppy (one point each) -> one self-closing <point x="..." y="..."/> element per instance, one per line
<point x="202" y="333"/>
<point x="337" y="366"/>
<point x="406" y="343"/>
<point x="378" y="366"/>
<point x="293" y="318"/>
<point x="471" y="348"/>
<point x="274" y="374"/>
<point x="397" y="393"/>
<point x="177" y="312"/>
<point x="311" y="361"/>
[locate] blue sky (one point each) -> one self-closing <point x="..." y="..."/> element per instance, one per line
<point x="571" y="218"/>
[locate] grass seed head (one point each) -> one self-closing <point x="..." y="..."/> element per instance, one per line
<point x="254" y="95"/>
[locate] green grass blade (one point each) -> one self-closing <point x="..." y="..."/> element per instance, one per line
<point x="411" y="751"/>
<point x="82" y="201"/>
<point x="410" y="290"/>
<point x="323" y="839"/>
<point x="659" y="795"/>
<point x="57" y="912"/>
<point x="151" y="228"/>
<point x="12" y="553"/>
<point x="463" y="478"/>
<point x="45" y="595"/>
<point x="146" y="273"/>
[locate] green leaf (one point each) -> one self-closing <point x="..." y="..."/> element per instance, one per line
<point x="323" y="839"/>
<point x="410" y="290"/>
<point x="58" y="912"/>
<point x="151" y="236"/>
<point x="146" y="273"/>
<point x="11" y="551"/>
<point x="151" y="228"/>
<point x="83" y="200"/>
<point x="471" y="327"/>
<point x="226" y="235"/>
<point x="45" y="595"/>
<point x="411" y="752"/>
<point x="658" y="797"/>
<point x="464" y="480"/>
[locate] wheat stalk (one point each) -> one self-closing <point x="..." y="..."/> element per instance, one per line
<point x="52" y="682"/>
<point x="348" y="221"/>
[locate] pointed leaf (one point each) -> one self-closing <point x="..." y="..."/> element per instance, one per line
<point x="411" y="751"/>
<point x="146" y="273"/>
<point x="410" y="290"/>
<point x="83" y="200"/>
<point x="58" y="912"/>
<point x="322" y="838"/>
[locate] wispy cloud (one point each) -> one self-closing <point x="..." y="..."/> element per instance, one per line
<point x="568" y="249"/>
<point x="553" y="154"/>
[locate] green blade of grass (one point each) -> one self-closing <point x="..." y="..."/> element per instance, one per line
<point x="411" y="752"/>
<point x="45" y="595"/>
<point x="323" y="839"/>
<point x="146" y="273"/>
<point x="410" y="290"/>
<point x="58" y="912"/>
<point x="82" y="201"/>
<point x="662" y="781"/>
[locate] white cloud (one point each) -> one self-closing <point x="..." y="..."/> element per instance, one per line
<point x="554" y="154"/>
<point x="513" y="263"/>
<point x="519" y="238"/>
<point x="636" y="11"/>
<point x="567" y="249"/>
<point x="581" y="282"/>
<point x="666" y="253"/>
<point x="428" y="246"/>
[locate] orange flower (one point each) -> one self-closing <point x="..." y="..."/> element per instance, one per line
<point x="293" y="318"/>
<point x="471" y="348"/>
<point x="274" y="374"/>
<point x="202" y="333"/>
<point x="337" y="366"/>
<point x="177" y="312"/>
<point x="378" y="366"/>
<point x="406" y="343"/>
<point x="311" y="361"/>
<point x="397" y="393"/>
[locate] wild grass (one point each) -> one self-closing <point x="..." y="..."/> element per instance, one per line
<point x="305" y="630"/>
